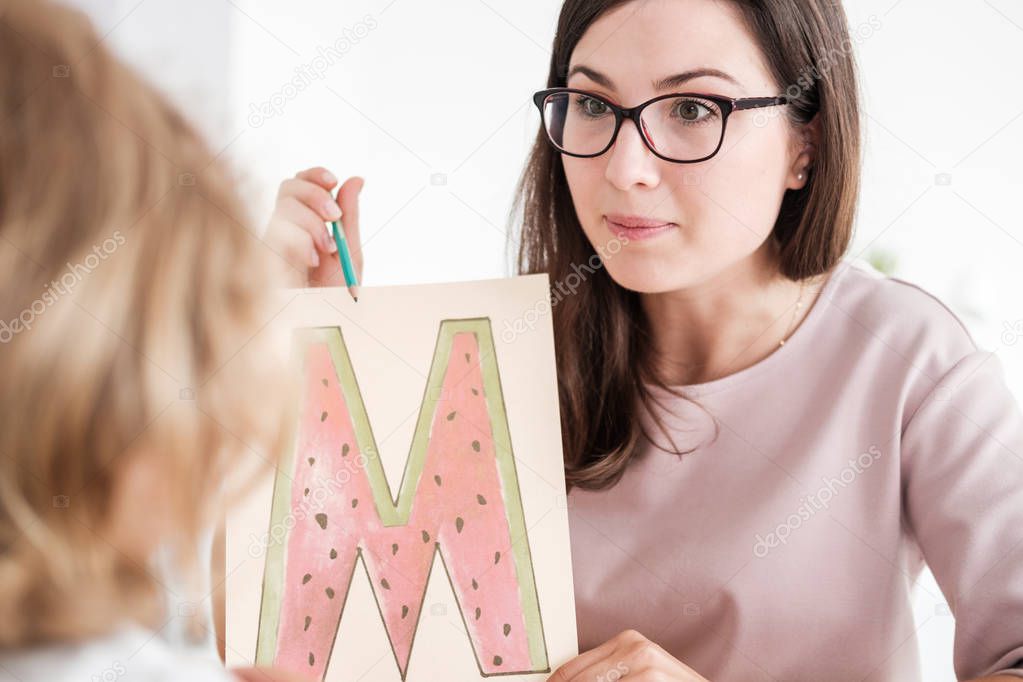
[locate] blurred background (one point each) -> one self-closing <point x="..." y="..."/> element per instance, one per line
<point x="430" y="102"/>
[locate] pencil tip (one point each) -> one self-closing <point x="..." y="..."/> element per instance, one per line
<point x="356" y="299"/>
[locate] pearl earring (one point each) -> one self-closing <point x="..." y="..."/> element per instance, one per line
<point x="799" y="177"/>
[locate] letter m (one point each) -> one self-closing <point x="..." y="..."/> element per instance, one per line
<point x="459" y="497"/>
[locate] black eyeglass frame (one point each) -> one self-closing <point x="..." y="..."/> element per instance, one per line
<point x="726" y="104"/>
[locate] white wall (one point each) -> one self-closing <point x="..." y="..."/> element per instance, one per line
<point x="430" y="103"/>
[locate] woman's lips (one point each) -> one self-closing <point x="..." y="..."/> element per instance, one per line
<point x="635" y="228"/>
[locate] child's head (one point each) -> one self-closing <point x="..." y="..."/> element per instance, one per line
<point x="132" y="287"/>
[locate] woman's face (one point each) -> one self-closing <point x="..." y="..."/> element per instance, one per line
<point x="722" y="209"/>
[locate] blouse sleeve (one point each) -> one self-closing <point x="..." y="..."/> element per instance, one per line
<point x="962" y="485"/>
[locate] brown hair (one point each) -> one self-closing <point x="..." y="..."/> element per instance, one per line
<point x="130" y="283"/>
<point x="603" y="343"/>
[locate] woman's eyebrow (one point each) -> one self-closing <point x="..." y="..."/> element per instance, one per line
<point x="667" y="83"/>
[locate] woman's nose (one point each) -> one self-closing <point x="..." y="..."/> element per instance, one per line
<point x="630" y="161"/>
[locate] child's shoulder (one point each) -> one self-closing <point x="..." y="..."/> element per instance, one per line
<point x="131" y="654"/>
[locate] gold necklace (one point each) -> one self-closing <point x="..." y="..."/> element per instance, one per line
<point x="795" y="313"/>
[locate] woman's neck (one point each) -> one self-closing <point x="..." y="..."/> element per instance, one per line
<point x="727" y="323"/>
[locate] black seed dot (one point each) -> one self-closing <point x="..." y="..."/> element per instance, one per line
<point x="330" y="592"/>
<point x="344" y="450"/>
<point x="451" y="415"/>
<point x="475" y="392"/>
<point x="321" y="519"/>
<point x="478" y="613"/>
<point x="497" y="660"/>
<point x="394" y="549"/>
<point x="383" y="583"/>
<point x="311" y="659"/>
<point x="306" y="578"/>
<point x="436" y="479"/>
<point x="476" y="445"/>
<point x="404" y="610"/>
<point x="323" y="416"/>
<point x="306" y="492"/>
<point x="308" y="620"/>
<point x="426" y="536"/>
<point x="459" y="523"/>
<point x="333" y="554"/>
<point x="355" y="502"/>
<point x="475" y="585"/>
<point x="481" y="499"/>
<point x="507" y="629"/>
<point x="312" y="461"/>
<point x="324" y="381"/>
<point x="497" y="557"/>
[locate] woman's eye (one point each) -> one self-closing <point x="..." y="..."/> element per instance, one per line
<point x="690" y="110"/>
<point x="592" y="107"/>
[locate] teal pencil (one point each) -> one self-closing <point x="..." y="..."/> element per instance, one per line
<point x="346" y="260"/>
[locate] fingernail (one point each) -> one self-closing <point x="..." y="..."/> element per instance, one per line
<point x="314" y="258"/>
<point x="329" y="178"/>
<point x="331" y="246"/>
<point x="332" y="210"/>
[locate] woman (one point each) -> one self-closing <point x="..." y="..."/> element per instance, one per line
<point x="763" y="440"/>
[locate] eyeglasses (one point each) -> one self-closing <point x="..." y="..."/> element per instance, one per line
<point x="680" y="127"/>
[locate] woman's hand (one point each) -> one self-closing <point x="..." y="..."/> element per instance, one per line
<point x="267" y="675"/>
<point x="298" y="230"/>
<point x="627" y="655"/>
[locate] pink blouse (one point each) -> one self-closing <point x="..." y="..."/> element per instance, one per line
<point x="877" y="438"/>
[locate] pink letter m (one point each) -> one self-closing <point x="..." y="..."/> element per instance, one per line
<point x="459" y="497"/>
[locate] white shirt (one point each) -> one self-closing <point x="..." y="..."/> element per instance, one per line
<point x="130" y="654"/>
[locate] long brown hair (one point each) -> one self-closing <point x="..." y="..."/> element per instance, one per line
<point x="603" y="344"/>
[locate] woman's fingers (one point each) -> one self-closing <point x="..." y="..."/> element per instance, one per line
<point x="348" y="198"/>
<point x="267" y="675"/>
<point x="318" y="175"/>
<point x="294" y="244"/>
<point x="294" y="212"/>
<point x="298" y="228"/>
<point x="630" y="655"/>
<point x="318" y="199"/>
<point x="571" y="670"/>
<point x="328" y="273"/>
<point x="631" y="661"/>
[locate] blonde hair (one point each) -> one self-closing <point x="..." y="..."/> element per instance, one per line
<point x="133" y="290"/>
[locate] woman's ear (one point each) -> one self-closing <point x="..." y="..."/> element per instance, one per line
<point x="806" y="141"/>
